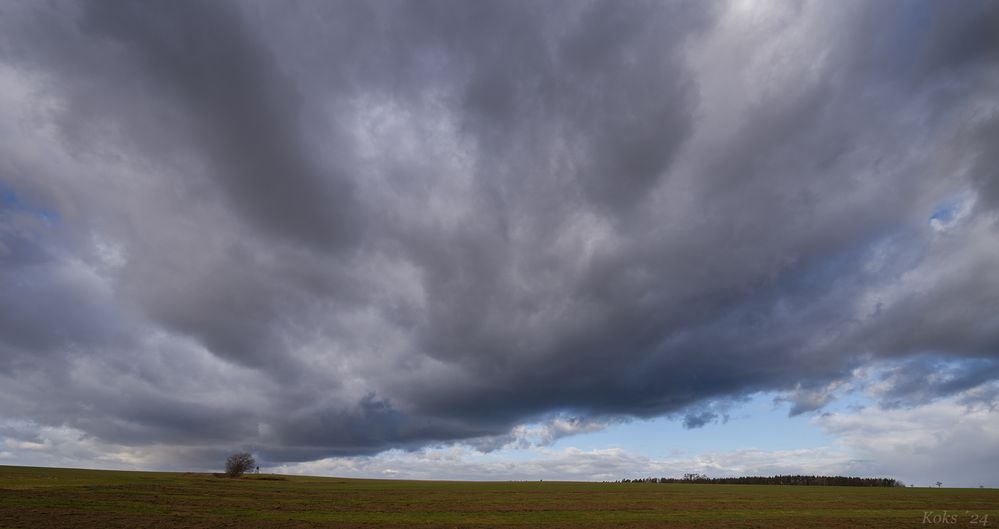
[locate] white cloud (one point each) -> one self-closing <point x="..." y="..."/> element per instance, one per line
<point x="570" y="463"/>
<point x="946" y="440"/>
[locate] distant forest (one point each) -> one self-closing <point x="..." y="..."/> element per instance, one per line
<point x="840" y="481"/>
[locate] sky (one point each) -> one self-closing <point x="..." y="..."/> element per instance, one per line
<point x="502" y="239"/>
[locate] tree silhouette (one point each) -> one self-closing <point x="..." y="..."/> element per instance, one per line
<point x="237" y="464"/>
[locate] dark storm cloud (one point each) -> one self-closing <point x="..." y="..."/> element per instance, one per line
<point x="318" y="229"/>
<point x="243" y="113"/>
<point x="923" y="379"/>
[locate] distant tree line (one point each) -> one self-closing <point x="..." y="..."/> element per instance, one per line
<point x="839" y="481"/>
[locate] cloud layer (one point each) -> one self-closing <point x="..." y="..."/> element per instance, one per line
<point x="341" y="228"/>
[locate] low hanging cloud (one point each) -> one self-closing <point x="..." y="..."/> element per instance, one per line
<point x="572" y="464"/>
<point x="342" y="228"/>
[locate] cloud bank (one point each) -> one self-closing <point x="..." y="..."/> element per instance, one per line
<point x="334" y="229"/>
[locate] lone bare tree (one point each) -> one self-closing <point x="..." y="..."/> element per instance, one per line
<point x="237" y="464"/>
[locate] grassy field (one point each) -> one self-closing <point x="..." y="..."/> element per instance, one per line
<point x="51" y="498"/>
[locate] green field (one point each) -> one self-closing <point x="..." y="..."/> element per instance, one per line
<point x="49" y="498"/>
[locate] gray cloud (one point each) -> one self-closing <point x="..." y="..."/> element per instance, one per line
<point x="241" y="112"/>
<point x="921" y="380"/>
<point x="336" y="229"/>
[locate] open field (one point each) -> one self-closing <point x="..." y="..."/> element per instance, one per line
<point x="52" y="498"/>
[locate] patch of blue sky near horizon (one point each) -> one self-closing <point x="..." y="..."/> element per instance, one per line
<point x="757" y="423"/>
<point x="760" y="423"/>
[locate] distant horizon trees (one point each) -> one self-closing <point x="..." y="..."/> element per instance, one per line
<point x="839" y="481"/>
